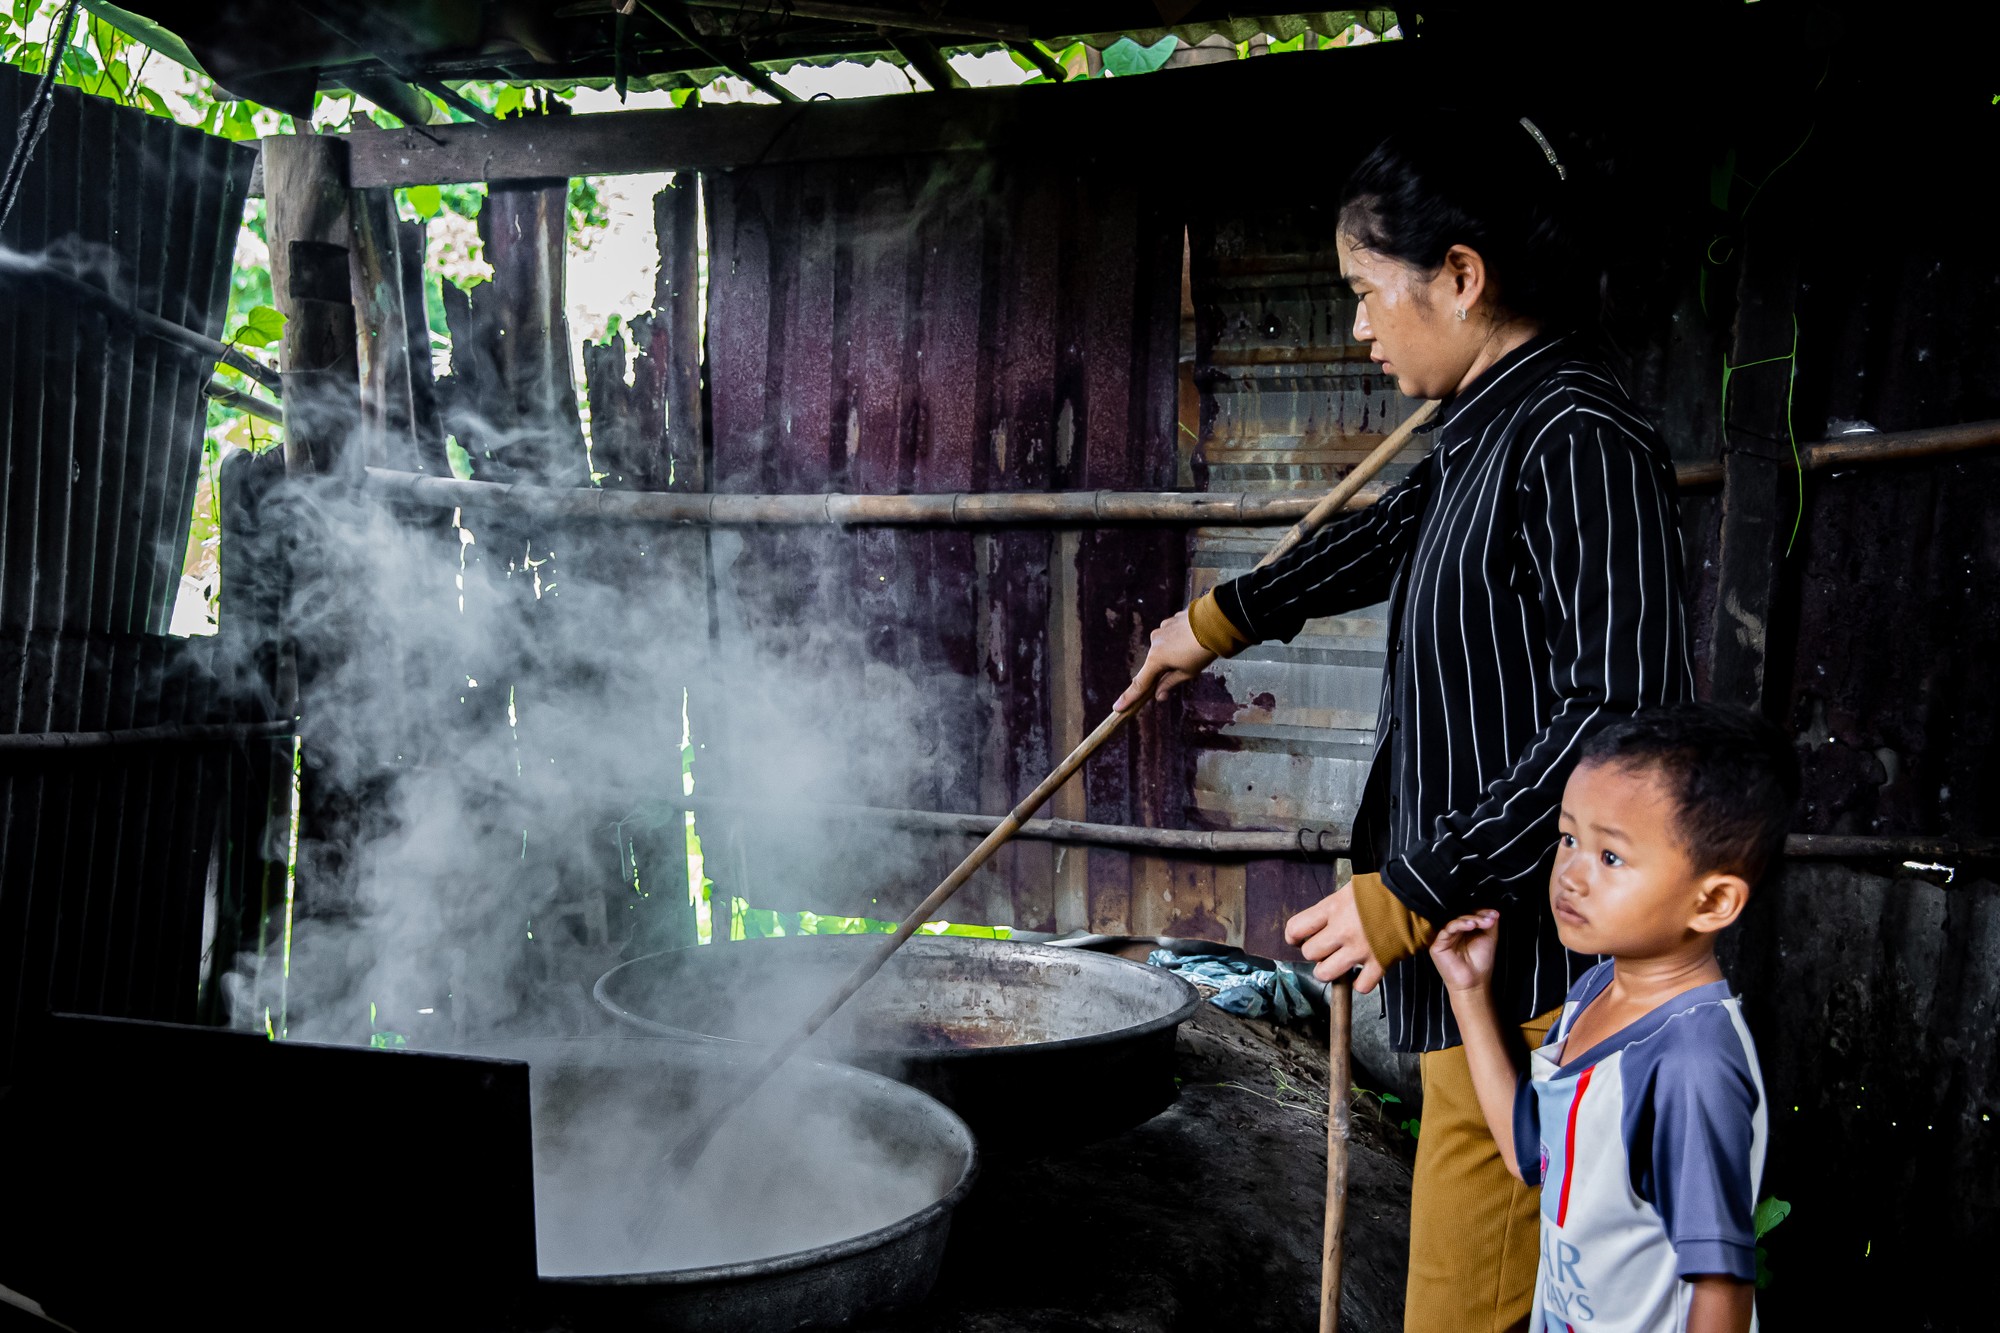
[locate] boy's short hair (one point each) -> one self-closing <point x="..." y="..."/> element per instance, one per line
<point x="1733" y="775"/>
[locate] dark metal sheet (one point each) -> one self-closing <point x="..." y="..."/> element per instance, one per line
<point x="103" y="860"/>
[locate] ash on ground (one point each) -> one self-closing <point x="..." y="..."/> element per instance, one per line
<point x="1207" y="1216"/>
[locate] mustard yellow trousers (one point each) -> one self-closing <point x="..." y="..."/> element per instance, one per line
<point x="1473" y="1226"/>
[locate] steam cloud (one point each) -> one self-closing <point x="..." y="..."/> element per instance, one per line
<point x="507" y="703"/>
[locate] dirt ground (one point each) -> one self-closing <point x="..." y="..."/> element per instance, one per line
<point x="1207" y="1216"/>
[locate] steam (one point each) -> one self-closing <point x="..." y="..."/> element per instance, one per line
<point x="508" y="703"/>
<point x="493" y="714"/>
<point x="68" y="256"/>
<point x="817" y="1157"/>
<point x="517" y="760"/>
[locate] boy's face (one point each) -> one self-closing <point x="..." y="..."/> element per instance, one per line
<point x="1623" y="881"/>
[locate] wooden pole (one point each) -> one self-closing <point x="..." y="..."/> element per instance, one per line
<point x="957" y="509"/>
<point x="1337" y="498"/>
<point x="690" y="1148"/>
<point x="305" y="182"/>
<point x="1339" y="1077"/>
<point x="950" y="509"/>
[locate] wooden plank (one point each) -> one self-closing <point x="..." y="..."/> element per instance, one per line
<point x="677" y="337"/>
<point x="537" y="434"/>
<point x="1153" y="908"/>
<point x="428" y="425"/>
<point x="388" y="401"/>
<point x="712" y="138"/>
<point x="1067" y="729"/>
<point x="1178" y="118"/>
<point x="1231" y="901"/>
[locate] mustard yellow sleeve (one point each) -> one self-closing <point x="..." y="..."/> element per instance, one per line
<point x="1394" y="932"/>
<point x="1212" y="629"/>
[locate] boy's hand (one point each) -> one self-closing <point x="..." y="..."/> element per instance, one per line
<point x="1464" y="950"/>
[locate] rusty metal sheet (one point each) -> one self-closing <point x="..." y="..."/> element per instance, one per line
<point x="932" y="324"/>
<point x="1284" y="733"/>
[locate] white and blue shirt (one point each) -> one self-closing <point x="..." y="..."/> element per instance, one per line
<point x="1649" y="1148"/>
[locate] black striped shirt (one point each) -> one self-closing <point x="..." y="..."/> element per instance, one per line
<point x="1533" y="568"/>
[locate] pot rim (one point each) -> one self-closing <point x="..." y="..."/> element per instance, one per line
<point x="1189" y="1002"/>
<point x="834" y="1251"/>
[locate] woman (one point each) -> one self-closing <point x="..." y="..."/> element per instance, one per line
<point x="1532" y="564"/>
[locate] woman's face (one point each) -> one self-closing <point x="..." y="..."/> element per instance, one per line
<point x="1406" y="316"/>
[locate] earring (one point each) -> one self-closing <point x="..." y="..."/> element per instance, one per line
<point x="1459" y="311"/>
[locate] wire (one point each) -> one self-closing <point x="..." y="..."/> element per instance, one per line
<point x="35" y="119"/>
<point x="1791" y="433"/>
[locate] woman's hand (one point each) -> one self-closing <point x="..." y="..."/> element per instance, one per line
<point x="1329" y="934"/>
<point x="1464" y="950"/>
<point x="1175" y="658"/>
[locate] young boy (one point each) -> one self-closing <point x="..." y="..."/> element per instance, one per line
<point x="1643" y="1118"/>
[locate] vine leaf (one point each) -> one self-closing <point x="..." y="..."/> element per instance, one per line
<point x="261" y="327"/>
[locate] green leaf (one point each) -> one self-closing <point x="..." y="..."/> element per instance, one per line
<point x="238" y="121"/>
<point x="461" y="461"/>
<point x="1126" y="57"/>
<point x="464" y="200"/>
<point x="427" y="201"/>
<point x="110" y="42"/>
<point x="154" y="102"/>
<point x="1770" y="1212"/>
<point x="79" y="67"/>
<point x="1763" y="1270"/>
<point x="23" y="11"/>
<point x="509" y="99"/>
<point x="261" y="327"/>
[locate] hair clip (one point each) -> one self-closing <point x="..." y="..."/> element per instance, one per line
<point x="1547" y="151"/>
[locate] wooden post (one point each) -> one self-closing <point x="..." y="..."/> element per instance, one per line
<point x="1757" y="456"/>
<point x="308" y="227"/>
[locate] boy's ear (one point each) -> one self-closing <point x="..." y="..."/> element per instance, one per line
<point x="1719" y="900"/>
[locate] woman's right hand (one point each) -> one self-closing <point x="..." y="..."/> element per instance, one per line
<point x="1175" y="658"/>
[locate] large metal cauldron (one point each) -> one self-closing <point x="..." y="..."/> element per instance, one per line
<point x="825" y="1198"/>
<point x="1036" y="1047"/>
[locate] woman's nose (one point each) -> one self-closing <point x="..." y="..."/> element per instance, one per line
<point x="1363" y="331"/>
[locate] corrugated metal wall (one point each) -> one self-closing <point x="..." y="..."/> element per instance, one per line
<point x="105" y="856"/>
<point x="1293" y="403"/>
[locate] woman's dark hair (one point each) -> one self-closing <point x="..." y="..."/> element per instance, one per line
<point x="1484" y="181"/>
<point x="1733" y="775"/>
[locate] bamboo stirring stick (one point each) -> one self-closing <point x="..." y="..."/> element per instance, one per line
<point x="1339" y="1077"/>
<point x="689" y="1150"/>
